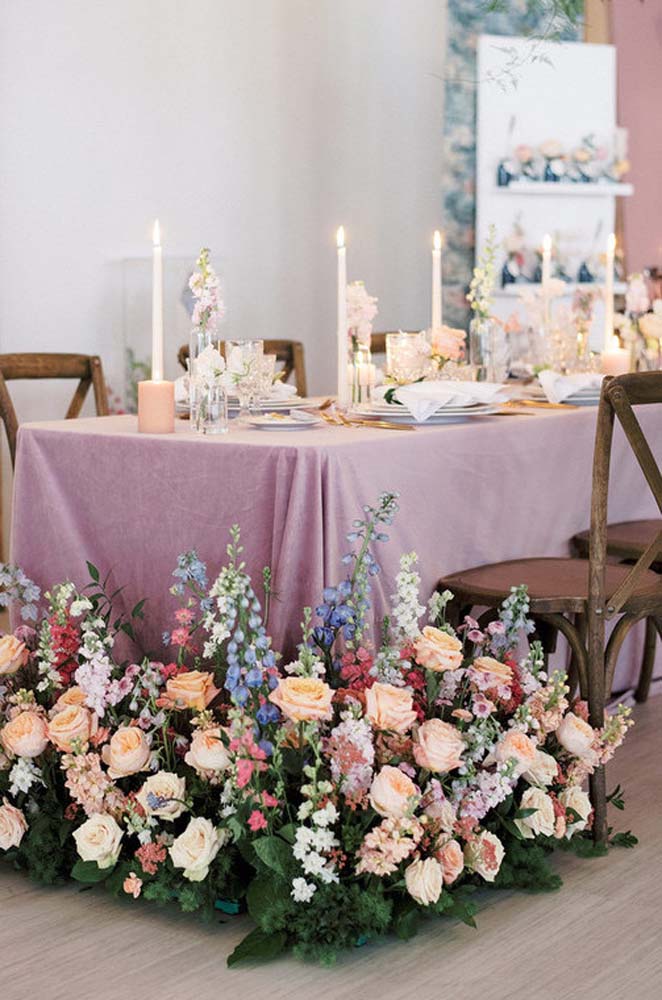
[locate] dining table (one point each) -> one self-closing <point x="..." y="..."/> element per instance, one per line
<point x="472" y="492"/>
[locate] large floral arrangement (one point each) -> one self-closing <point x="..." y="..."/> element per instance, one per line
<point x="352" y="791"/>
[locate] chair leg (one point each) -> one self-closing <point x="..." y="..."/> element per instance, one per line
<point x="648" y="662"/>
<point x="598" y="791"/>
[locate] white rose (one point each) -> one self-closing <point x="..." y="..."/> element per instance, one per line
<point x="577" y="800"/>
<point x="162" y="795"/>
<point x="195" y="848"/>
<point x="576" y="736"/>
<point x="542" y="771"/>
<point x="12" y="825"/>
<point x="207" y="751"/>
<point x="541" y="822"/>
<point x="99" y="839"/>
<point x="424" y="881"/>
<point x="484" y="855"/>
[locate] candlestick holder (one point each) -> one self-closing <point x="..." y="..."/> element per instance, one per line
<point x="156" y="407"/>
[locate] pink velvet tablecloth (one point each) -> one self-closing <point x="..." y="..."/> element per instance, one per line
<point x="470" y="493"/>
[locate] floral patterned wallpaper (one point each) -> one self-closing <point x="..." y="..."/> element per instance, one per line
<point x="467" y="19"/>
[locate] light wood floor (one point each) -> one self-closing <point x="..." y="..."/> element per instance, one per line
<point x="599" y="937"/>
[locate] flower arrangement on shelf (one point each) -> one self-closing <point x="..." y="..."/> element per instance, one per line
<point x="551" y="161"/>
<point x="358" y="789"/>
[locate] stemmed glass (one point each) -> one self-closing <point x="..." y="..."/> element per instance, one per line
<point x="243" y="364"/>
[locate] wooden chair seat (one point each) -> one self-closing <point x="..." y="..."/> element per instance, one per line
<point x="626" y="540"/>
<point x="556" y="586"/>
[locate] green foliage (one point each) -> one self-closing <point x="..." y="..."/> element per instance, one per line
<point x="526" y="866"/>
<point x="626" y="839"/>
<point x="89" y="872"/>
<point x="258" y="946"/>
<point x="276" y="854"/>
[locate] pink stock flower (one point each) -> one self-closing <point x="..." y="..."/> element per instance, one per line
<point x="257" y="821"/>
<point x="184" y="616"/>
<point x="245" y="770"/>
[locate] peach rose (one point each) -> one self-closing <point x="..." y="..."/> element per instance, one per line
<point x="195" y="848"/>
<point x="207" y="751"/>
<point x="192" y="689"/>
<point x="303" y="699"/>
<point x="389" y="707"/>
<point x="26" y="735"/>
<point x="99" y="839"/>
<point x="542" y="771"/>
<point x="576" y="799"/>
<point x="576" y="736"/>
<point x="484" y="855"/>
<point x="127" y="752"/>
<point x="542" y="821"/>
<point x="12" y="825"/>
<point x="72" y="696"/>
<point x="392" y="792"/>
<point x="437" y="650"/>
<point x="516" y="745"/>
<point x="501" y="672"/>
<point x="438" y="746"/>
<point x="424" y="881"/>
<point x="451" y="859"/>
<point x="13" y="655"/>
<point x="73" y="723"/>
<point x="162" y="795"/>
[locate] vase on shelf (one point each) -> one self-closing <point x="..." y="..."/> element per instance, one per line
<point x="488" y="349"/>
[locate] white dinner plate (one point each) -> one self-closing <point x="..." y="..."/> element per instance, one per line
<point x="274" y="420"/>
<point x="440" y="417"/>
<point x="582" y="400"/>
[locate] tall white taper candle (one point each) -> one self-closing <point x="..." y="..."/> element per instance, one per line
<point x="343" y="391"/>
<point x="546" y="276"/>
<point x="157" y="305"/>
<point x="609" y="292"/>
<point x="436" y="280"/>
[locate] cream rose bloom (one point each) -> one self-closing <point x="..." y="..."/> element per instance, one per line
<point x="207" y="751"/>
<point x="391" y="792"/>
<point x="576" y="799"/>
<point x="13" y="655"/>
<point x="444" y="812"/>
<point x="501" y="672"/>
<point x="72" y="696"/>
<point x="437" y="650"/>
<point x="195" y="849"/>
<point x="192" y="689"/>
<point x="576" y="736"/>
<point x="303" y="699"/>
<point x="484" y="855"/>
<point x="438" y="746"/>
<point x="26" y="735"/>
<point x="99" y="839"/>
<point x="389" y="707"/>
<point x="543" y="769"/>
<point x="127" y="753"/>
<point x="542" y="821"/>
<point x="516" y="745"/>
<point x="424" y="880"/>
<point x="162" y="795"/>
<point x="12" y="825"/>
<point x="73" y="723"/>
<point x="451" y="859"/>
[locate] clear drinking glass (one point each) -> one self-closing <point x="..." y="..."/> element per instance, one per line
<point x="407" y="356"/>
<point x="214" y="409"/>
<point x="242" y="358"/>
<point x="266" y="369"/>
<point x="198" y="341"/>
<point x="488" y="350"/>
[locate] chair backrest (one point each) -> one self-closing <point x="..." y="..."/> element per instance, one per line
<point x="84" y="367"/>
<point x="289" y="354"/>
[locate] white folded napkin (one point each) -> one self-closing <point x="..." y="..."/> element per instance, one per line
<point x="281" y="390"/>
<point x="559" y="387"/>
<point x="423" y="399"/>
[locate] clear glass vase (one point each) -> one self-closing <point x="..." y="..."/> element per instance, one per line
<point x="212" y="409"/>
<point x="198" y="341"/>
<point x="488" y="349"/>
<point x="362" y="374"/>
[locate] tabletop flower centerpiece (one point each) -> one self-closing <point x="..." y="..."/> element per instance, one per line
<point x="361" y="311"/>
<point x="358" y="787"/>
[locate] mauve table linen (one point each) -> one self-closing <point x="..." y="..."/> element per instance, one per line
<point x="470" y="493"/>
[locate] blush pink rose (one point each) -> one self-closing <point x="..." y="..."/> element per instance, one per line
<point x="437" y="650"/>
<point x="13" y="654"/>
<point x="73" y="723"/>
<point x="517" y="746"/>
<point x="12" y="825"/>
<point x="127" y="753"/>
<point x="303" y="699"/>
<point x="389" y="707"/>
<point x="438" y="746"/>
<point x="26" y="735"/>
<point x="576" y="736"/>
<point x="424" y="881"/>
<point x="392" y="792"/>
<point x="451" y="859"/>
<point x="191" y="689"/>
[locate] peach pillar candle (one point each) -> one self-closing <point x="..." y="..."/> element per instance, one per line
<point x="615" y="361"/>
<point x="156" y="407"/>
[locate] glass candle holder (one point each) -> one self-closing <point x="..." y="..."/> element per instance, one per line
<point x="407" y="356"/>
<point x="363" y="374"/>
<point x="488" y="350"/>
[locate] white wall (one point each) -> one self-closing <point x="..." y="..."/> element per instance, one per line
<point x="253" y="127"/>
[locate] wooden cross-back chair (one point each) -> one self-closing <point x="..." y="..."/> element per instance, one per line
<point x="576" y="597"/>
<point x="84" y="367"/>
<point x="289" y="354"/>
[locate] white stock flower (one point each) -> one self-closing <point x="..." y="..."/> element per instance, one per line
<point x="302" y="891"/>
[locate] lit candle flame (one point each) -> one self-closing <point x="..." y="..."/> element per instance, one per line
<point x="340" y="237"/>
<point x="156" y="234"/>
<point x="436" y="240"/>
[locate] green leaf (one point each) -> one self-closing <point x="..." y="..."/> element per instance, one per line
<point x="406" y="923"/>
<point x="89" y="872"/>
<point x="511" y="828"/>
<point x="138" y="610"/>
<point x="287" y="833"/>
<point x="128" y="630"/>
<point x="263" y="892"/>
<point x="275" y="854"/>
<point x="626" y="839"/>
<point x="258" y="946"/>
<point x="464" y="912"/>
<point x="93" y="571"/>
<point x="523" y="813"/>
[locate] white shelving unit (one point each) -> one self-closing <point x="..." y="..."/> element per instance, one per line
<point x="515" y="290"/>
<point x="565" y="91"/>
